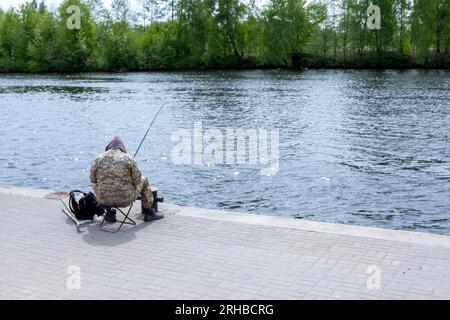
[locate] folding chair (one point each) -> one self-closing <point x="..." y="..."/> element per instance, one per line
<point x="126" y="219"/>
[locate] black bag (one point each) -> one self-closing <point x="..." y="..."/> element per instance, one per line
<point x="84" y="205"/>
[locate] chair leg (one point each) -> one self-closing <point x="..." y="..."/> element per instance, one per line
<point x="124" y="221"/>
<point x="126" y="217"/>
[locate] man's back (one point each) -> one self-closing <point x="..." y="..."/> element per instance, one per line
<point x="115" y="178"/>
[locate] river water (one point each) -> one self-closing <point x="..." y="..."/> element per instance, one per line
<point x="358" y="147"/>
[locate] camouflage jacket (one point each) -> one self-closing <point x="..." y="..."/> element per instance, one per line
<point x="115" y="178"/>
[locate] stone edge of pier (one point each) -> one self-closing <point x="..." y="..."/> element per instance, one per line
<point x="280" y="222"/>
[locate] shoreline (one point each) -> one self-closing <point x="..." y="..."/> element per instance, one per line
<point x="413" y="237"/>
<point x="212" y="69"/>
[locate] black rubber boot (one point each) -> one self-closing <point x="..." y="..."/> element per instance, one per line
<point x="151" y="215"/>
<point x="110" y="216"/>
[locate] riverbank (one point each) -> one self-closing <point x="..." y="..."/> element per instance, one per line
<point x="196" y="253"/>
<point x="311" y="63"/>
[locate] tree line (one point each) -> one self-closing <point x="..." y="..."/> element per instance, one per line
<point x="182" y="34"/>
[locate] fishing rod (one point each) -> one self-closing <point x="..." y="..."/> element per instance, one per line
<point x="146" y="133"/>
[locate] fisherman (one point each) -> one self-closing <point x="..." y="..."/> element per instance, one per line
<point x="117" y="181"/>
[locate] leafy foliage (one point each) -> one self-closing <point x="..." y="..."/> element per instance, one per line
<point x="171" y="34"/>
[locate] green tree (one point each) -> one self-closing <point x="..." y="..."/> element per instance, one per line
<point x="193" y="28"/>
<point x="121" y="11"/>
<point x="227" y="36"/>
<point x="160" y="46"/>
<point x="151" y="11"/>
<point x="430" y="28"/>
<point x="42" y="48"/>
<point x="284" y="31"/>
<point x="402" y="10"/>
<point x="75" y="47"/>
<point x="98" y="10"/>
<point x="120" y="47"/>
<point x="223" y="33"/>
<point x="11" y="45"/>
<point x="388" y="23"/>
<point x="319" y="25"/>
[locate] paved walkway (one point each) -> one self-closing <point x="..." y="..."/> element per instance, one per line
<point x="204" y="254"/>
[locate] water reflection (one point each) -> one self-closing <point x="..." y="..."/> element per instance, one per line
<point x="71" y="90"/>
